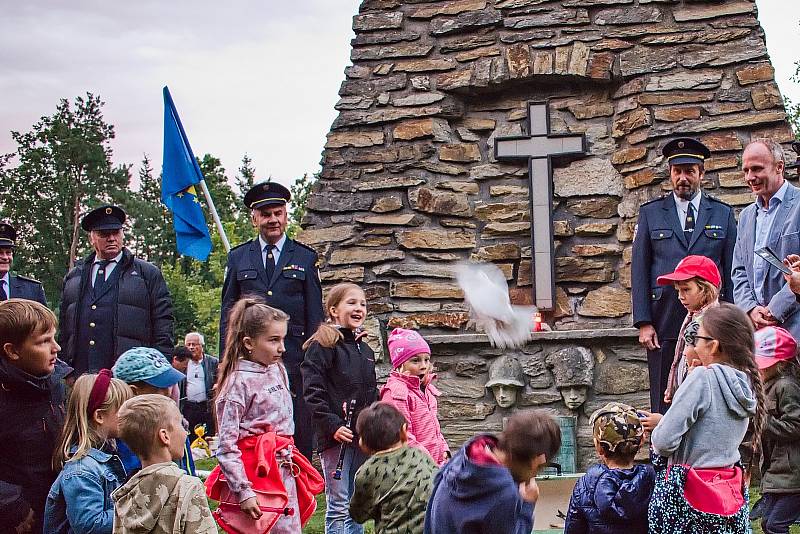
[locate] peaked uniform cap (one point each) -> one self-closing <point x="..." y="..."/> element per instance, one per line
<point x="685" y="150"/>
<point x="267" y="194"/>
<point x="8" y="235"/>
<point x="104" y="218"/>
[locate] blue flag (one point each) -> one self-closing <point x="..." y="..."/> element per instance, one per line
<point x="179" y="174"/>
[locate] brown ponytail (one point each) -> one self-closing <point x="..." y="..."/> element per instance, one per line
<point x="249" y="317"/>
<point x="327" y="334"/>
<point x="732" y="329"/>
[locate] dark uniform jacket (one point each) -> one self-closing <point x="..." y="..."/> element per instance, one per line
<point x="335" y="376"/>
<point x="143" y="315"/>
<point x="658" y="247"/>
<point x="32" y="416"/>
<point x="294" y="288"/>
<point x="23" y="287"/>
<point x="780" y="465"/>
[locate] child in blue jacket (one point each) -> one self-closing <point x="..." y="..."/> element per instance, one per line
<point x="612" y="497"/>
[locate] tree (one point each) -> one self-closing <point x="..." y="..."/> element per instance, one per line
<point x="60" y="169"/>
<point x="152" y="235"/>
<point x="300" y="191"/>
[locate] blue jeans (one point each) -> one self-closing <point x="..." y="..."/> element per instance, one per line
<point x="338" y="492"/>
<point x="779" y="511"/>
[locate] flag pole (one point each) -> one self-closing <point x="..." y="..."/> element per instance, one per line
<point x="203" y="186"/>
<point x="215" y="216"/>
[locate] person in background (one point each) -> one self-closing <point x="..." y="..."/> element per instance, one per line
<point x="284" y="273"/>
<point x="15" y="285"/>
<point x="80" y="498"/>
<point x="32" y="397"/>
<point x="394" y="484"/>
<point x="773" y="221"/>
<point x="776" y="357"/>
<point x="685" y="222"/>
<point x="490" y="483"/>
<point x="112" y="301"/>
<point x="161" y="498"/>
<point x="612" y="497"/>
<point x="180" y="358"/>
<point x="198" y="388"/>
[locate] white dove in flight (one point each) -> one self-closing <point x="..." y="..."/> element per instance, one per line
<point x="486" y="294"/>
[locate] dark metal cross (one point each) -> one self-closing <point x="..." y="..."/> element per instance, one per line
<point x="540" y="147"/>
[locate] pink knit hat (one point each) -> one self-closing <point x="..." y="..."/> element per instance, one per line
<point x="404" y="345"/>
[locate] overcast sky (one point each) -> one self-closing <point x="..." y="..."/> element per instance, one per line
<point x="247" y="76"/>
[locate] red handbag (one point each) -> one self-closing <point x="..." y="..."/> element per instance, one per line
<point x="717" y="491"/>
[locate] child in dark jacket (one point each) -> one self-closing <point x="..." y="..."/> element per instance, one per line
<point x="776" y="357"/>
<point x="612" y="497"/>
<point x="339" y="372"/>
<point x="489" y="485"/>
<point x="31" y="411"/>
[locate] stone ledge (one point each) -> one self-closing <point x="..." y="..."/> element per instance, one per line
<point x="555" y="335"/>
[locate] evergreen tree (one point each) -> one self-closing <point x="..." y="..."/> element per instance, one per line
<point x="61" y="168"/>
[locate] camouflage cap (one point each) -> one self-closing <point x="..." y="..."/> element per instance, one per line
<point x="616" y="423"/>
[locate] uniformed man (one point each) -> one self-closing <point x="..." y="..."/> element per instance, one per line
<point x="112" y="301"/>
<point x="14" y="285"/>
<point x="670" y="228"/>
<point x="284" y="273"/>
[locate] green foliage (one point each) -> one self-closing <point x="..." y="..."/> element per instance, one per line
<point x="300" y="191"/>
<point x="61" y="168"/>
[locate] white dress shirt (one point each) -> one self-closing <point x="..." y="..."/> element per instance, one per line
<point x="109" y="268"/>
<point x="682" y="206"/>
<point x="195" y="382"/>
<point x="276" y="252"/>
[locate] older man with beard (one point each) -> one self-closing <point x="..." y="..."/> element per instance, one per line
<point x="682" y="223"/>
<point x="284" y="274"/>
<point x="772" y="221"/>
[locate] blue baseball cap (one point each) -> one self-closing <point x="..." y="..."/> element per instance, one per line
<point x="145" y="364"/>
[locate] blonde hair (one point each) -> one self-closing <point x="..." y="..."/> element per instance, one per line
<point x="709" y="290"/>
<point x="249" y="317"/>
<point x="140" y="419"/>
<point x="21" y="319"/>
<point x="327" y="334"/>
<point x="80" y="430"/>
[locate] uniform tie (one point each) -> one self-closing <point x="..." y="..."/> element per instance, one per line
<point x="100" y="277"/>
<point x="270" y="263"/>
<point x="3" y="294"/>
<point x="688" y="228"/>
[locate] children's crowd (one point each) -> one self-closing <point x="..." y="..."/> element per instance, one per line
<point x="113" y="455"/>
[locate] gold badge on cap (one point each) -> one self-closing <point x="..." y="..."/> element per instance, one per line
<point x="108" y="211"/>
<point x="680" y="144"/>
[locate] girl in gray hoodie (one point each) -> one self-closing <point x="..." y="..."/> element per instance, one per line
<point x="707" y="423"/>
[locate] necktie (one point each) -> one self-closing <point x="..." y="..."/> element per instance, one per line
<point x="270" y="263"/>
<point x="100" y="277"/>
<point x="3" y="294"/>
<point x="688" y="229"/>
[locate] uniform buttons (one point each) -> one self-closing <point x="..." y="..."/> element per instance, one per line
<point x="91" y="342"/>
<point x="294" y="276"/>
<point x="660" y="235"/>
<point x="94" y="306"/>
<point x="269" y="293"/>
<point x="91" y="325"/>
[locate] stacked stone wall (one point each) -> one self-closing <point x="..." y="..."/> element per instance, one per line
<point x="409" y="183"/>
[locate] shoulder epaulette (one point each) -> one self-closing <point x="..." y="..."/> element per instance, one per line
<point x="242" y="244"/>
<point x="662" y="197"/>
<point x="28" y="279"/>
<point x="303" y="245"/>
<point x="714" y="199"/>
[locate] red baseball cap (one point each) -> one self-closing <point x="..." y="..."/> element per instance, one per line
<point x="774" y="344"/>
<point x="692" y="266"/>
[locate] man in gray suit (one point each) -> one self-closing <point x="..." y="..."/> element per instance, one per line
<point x="773" y="221"/>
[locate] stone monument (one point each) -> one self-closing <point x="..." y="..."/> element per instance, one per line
<point x="438" y="155"/>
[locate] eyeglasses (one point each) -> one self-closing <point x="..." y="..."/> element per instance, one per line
<point x="692" y="339"/>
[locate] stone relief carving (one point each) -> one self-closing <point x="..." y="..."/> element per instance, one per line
<point x="505" y="380"/>
<point x="573" y="371"/>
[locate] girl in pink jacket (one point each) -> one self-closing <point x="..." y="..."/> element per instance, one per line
<point x="410" y="390"/>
